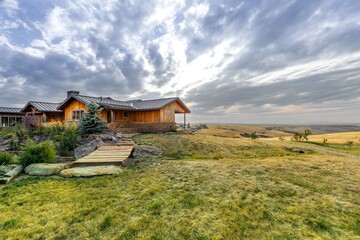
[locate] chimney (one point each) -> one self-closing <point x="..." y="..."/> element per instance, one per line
<point x="72" y="92"/>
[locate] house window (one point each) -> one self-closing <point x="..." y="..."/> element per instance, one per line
<point x="77" y="114"/>
<point x="126" y="114"/>
<point x="167" y="112"/>
<point x="12" y="121"/>
<point x="5" y="121"/>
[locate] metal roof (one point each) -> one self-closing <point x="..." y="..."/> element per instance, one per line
<point x="10" y="110"/>
<point x="132" y="105"/>
<point x="43" y="106"/>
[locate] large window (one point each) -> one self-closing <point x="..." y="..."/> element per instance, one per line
<point x="77" y="114"/>
<point x="4" y="121"/>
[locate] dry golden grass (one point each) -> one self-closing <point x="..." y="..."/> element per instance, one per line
<point x="235" y="130"/>
<point x="337" y="138"/>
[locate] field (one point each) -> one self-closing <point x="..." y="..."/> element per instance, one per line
<point x="201" y="187"/>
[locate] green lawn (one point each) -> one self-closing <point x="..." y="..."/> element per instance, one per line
<point x="218" y="188"/>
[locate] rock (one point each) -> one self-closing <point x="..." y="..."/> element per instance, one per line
<point x="106" y="137"/>
<point x="118" y="135"/>
<point x="4" y="142"/>
<point x="140" y="150"/>
<point x="14" y="172"/>
<point x="5" y="168"/>
<point x="128" y="162"/>
<point x="88" y="148"/>
<point x="45" y="169"/>
<point x="90" y="171"/>
<point x="299" y="150"/>
<point x="114" y="139"/>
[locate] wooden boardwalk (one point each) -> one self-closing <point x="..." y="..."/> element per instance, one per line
<point x="106" y="155"/>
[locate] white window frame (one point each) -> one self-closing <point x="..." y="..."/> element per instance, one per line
<point x="75" y="114"/>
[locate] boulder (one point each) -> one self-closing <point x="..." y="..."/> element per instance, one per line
<point x="299" y="150"/>
<point x="114" y="139"/>
<point x="45" y="169"/>
<point x="141" y="150"/>
<point x="88" y="148"/>
<point x="90" y="171"/>
<point x="14" y="172"/>
<point x="118" y="135"/>
<point x="106" y="136"/>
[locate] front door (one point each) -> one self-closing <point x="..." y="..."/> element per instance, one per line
<point x="108" y="116"/>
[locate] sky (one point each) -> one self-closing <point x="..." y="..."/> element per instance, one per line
<point x="250" y="61"/>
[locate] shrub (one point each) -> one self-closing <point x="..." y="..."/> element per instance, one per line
<point x="14" y="145"/>
<point x="5" y="158"/>
<point x="44" y="152"/>
<point x="349" y="143"/>
<point x="298" y="137"/>
<point x="325" y="140"/>
<point x="66" y="140"/>
<point x="20" y="134"/>
<point x="281" y="138"/>
<point x="91" y="122"/>
<point x="254" y="136"/>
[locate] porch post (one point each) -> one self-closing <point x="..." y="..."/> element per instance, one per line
<point x="184" y="120"/>
<point x="112" y="116"/>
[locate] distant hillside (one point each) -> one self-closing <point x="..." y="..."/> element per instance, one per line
<point x="268" y="131"/>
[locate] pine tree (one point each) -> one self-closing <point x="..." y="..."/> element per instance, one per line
<point x="91" y="122"/>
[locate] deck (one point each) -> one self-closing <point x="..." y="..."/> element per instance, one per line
<point x="106" y="155"/>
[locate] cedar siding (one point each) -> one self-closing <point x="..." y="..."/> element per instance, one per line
<point x="74" y="105"/>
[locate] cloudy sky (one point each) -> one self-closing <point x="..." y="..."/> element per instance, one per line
<point x="250" y="61"/>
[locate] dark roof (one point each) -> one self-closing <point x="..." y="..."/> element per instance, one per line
<point x="10" y="110"/>
<point x="43" y="106"/>
<point x="132" y="105"/>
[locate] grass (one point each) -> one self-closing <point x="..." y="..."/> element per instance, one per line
<point x="255" y="190"/>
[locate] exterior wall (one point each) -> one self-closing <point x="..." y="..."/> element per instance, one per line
<point x="74" y="105"/>
<point x="167" y="114"/>
<point x="55" y="117"/>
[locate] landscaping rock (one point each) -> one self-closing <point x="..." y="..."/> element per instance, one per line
<point x="299" y="150"/>
<point x="88" y="148"/>
<point x="4" y="142"/>
<point x="90" y="171"/>
<point x="118" y="135"/>
<point x="128" y="162"/>
<point x="45" y="169"/>
<point x="106" y="136"/>
<point x="114" y="139"/>
<point x="5" y="168"/>
<point x="140" y="150"/>
<point x="14" y="172"/>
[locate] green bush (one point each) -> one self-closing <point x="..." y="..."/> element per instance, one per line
<point x="66" y="140"/>
<point x="44" y="152"/>
<point x="14" y="145"/>
<point x="5" y="158"/>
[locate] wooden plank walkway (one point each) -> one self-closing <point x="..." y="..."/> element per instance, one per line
<point x="106" y="155"/>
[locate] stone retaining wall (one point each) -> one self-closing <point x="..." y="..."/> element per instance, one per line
<point x="153" y="127"/>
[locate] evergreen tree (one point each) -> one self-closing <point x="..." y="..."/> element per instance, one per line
<point x="91" y="122"/>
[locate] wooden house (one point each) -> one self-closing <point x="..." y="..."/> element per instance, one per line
<point x="43" y="112"/>
<point x="155" y="115"/>
<point x="10" y="116"/>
